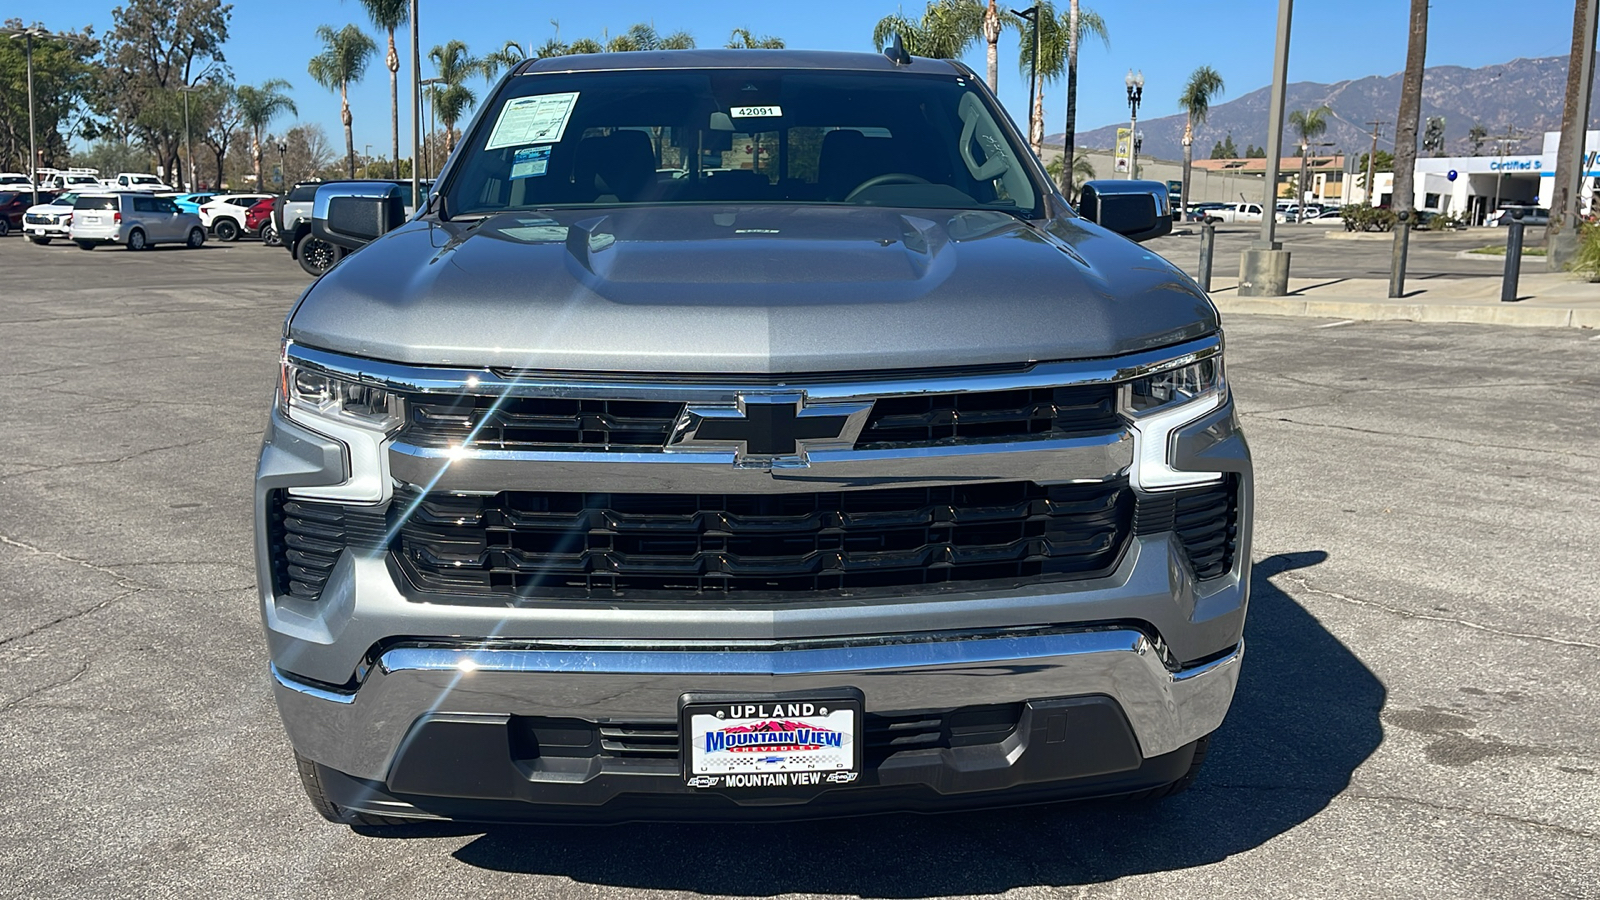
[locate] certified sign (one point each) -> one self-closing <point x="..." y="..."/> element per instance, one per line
<point x="788" y="743"/>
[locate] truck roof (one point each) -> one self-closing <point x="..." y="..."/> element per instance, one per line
<point x="734" y="59"/>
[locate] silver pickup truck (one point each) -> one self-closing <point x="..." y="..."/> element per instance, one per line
<point x="743" y="434"/>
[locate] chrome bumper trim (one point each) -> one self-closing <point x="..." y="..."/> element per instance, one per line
<point x="361" y="732"/>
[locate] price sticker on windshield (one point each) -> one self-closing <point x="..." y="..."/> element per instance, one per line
<point x="755" y="112"/>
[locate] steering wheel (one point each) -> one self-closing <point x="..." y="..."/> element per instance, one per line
<point x="885" y="178"/>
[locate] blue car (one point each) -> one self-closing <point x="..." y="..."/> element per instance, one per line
<point x="190" y="203"/>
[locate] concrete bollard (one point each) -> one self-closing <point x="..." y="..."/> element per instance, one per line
<point x="1508" y="282"/>
<point x="1208" y="246"/>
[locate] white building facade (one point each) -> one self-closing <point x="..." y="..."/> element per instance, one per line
<point x="1475" y="186"/>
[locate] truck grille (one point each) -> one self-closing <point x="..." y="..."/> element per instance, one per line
<point x="541" y="423"/>
<point x="991" y="415"/>
<point x="553" y="423"/>
<point x="559" y="544"/>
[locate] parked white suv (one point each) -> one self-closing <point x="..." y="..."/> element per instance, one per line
<point x="137" y="221"/>
<point x="49" y="220"/>
<point x="224" y="214"/>
<point x="137" y="181"/>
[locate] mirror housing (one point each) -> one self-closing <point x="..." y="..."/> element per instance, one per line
<point x="352" y="214"/>
<point x="1137" y="210"/>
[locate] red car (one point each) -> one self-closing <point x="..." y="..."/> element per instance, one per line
<point x="13" y="204"/>
<point x="258" y="221"/>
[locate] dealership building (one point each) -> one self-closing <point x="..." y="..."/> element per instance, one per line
<point x="1474" y="186"/>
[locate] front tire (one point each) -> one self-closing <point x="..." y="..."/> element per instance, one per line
<point x="5" y="226"/>
<point x="227" y="229"/>
<point x="197" y="237"/>
<point x="268" y="235"/>
<point x="316" y="256"/>
<point x="39" y="239"/>
<point x="85" y="245"/>
<point x="137" y="240"/>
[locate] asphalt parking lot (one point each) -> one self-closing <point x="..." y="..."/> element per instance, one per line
<point x="1313" y="253"/>
<point x="1418" y="715"/>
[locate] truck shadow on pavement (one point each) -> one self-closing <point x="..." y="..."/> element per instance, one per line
<point x="1305" y="716"/>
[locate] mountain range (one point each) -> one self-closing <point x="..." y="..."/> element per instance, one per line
<point x="1525" y="95"/>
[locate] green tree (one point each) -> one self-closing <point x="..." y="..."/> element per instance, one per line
<point x="1307" y="124"/>
<point x="63" y="79"/>
<point x="1383" y="162"/>
<point x="1251" y="151"/>
<point x="452" y="100"/>
<point x="945" y="30"/>
<point x="259" y="105"/>
<point x="389" y="15"/>
<point x="507" y="57"/>
<point x="154" y="48"/>
<point x="584" y="45"/>
<point x="742" y="39"/>
<point x="1080" y="21"/>
<point x="342" y="62"/>
<point x="1195" y="101"/>
<point x="1055" y="47"/>
<point x="217" y="108"/>
<point x="1082" y="171"/>
<point x="1476" y="135"/>
<point x="643" y="36"/>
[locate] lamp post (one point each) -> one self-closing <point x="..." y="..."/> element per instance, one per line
<point x="1135" y="83"/>
<point x="366" y="161"/>
<point x="27" y="35"/>
<point x="416" y="111"/>
<point x="1138" y="145"/>
<point x="283" y="171"/>
<point x="1264" y="267"/>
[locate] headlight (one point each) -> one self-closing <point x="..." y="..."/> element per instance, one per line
<point x="1158" y="404"/>
<point x="359" y="416"/>
<point x="1175" y="386"/>
<point x="310" y="396"/>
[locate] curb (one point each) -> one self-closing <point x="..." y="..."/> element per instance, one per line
<point x="1371" y="310"/>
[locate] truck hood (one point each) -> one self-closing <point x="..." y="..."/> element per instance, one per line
<point x="740" y="289"/>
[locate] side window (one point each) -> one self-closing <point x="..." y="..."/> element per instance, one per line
<point x="167" y="206"/>
<point x="144" y="204"/>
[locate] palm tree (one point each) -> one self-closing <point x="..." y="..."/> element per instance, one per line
<point x="506" y="57"/>
<point x="390" y="15"/>
<point x="1195" y="101"/>
<point x="742" y="39"/>
<point x="585" y="45"/>
<point x="1406" y="122"/>
<point x="1307" y="124"/>
<point x="945" y="31"/>
<point x="453" y="99"/>
<point x="645" y="37"/>
<point x="1080" y="21"/>
<point x="1082" y="171"/>
<point x="258" y="106"/>
<point x="343" y="61"/>
<point x="993" y="23"/>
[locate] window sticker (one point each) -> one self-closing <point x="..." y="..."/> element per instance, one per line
<point x="532" y="120"/>
<point x="530" y="162"/>
<point x="755" y="112"/>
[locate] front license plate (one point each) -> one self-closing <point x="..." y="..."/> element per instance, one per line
<point x="754" y="742"/>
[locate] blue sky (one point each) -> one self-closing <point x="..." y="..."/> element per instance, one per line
<point x="1164" y="38"/>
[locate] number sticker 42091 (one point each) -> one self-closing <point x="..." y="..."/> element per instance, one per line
<point x="755" y="112"/>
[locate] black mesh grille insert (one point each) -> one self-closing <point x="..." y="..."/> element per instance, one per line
<point x="305" y="539"/>
<point x="527" y="423"/>
<point x="555" y="544"/>
<point x="885" y="734"/>
<point x="991" y="416"/>
<point x="1204" y="519"/>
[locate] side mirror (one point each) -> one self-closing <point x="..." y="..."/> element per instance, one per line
<point x="1137" y="210"/>
<point x="351" y="215"/>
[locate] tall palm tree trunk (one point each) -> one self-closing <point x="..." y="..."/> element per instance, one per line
<point x="1036" y="135"/>
<point x="1405" y="134"/>
<point x="255" y="154"/>
<point x="393" y="62"/>
<point x="991" y="34"/>
<point x="1070" y="140"/>
<point x="349" y="135"/>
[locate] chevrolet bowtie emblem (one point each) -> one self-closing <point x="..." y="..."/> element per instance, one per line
<point x="769" y="429"/>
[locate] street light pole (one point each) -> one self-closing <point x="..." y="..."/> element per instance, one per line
<point x="1264" y="268"/>
<point x="416" y="112"/>
<point x="27" y="35"/>
<point x="427" y="148"/>
<point x="1135" y="84"/>
<point x="188" y="145"/>
<point x="283" y="172"/>
<point x="1031" y="14"/>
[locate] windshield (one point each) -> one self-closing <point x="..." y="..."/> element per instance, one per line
<point x="741" y="136"/>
